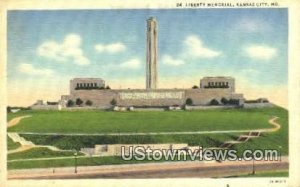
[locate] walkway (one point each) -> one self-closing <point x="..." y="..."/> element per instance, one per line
<point x="253" y="134"/>
<point x="16" y="120"/>
<point x="153" y="170"/>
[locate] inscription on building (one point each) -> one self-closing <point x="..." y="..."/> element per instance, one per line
<point x="151" y="95"/>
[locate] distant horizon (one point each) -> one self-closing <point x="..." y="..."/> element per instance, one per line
<point x="51" y="48"/>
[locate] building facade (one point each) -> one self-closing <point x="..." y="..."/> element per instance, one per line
<point x="86" y="84"/>
<point x="217" y="82"/>
<point x="157" y="97"/>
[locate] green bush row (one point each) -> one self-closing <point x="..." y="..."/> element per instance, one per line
<point x="77" y="142"/>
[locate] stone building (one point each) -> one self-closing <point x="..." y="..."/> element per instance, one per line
<point x="210" y="88"/>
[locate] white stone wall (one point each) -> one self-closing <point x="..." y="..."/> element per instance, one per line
<point x="257" y="105"/>
<point x="209" y="107"/>
<point x="115" y="149"/>
<point x="157" y="97"/>
<point x="46" y="107"/>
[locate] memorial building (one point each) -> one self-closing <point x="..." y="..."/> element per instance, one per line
<point x="95" y="90"/>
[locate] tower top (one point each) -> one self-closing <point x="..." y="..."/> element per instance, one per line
<point x="151" y="18"/>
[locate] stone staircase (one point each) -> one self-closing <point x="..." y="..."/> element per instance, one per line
<point x="17" y="138"/>
<point x="241" y="139"/>
<point x="25" y="144"/>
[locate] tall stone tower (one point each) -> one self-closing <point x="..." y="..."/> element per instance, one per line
<point x="151" y="65"/>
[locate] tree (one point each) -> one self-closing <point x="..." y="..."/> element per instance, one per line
<point x="224" y="101"/>
<point x="113" y="102"/>
<point x="8" y="109"/>
<point x="107" y="87"/>
<point x="214" y="102"/>
<point x="189" y="101"/>
<point x="79" y="101"/>
<point x="89" y="103"/>
<point x="70" y="103"/>
<point x="195" y="87"/>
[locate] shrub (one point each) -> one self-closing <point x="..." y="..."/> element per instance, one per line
<point x="195" y="87"/>
<point x="107" y="87"/>
<point x="52" y="103"/>
<point x="234" y="101"/>
<point x="189" y="101"/>
<point x="214" y="102"/>
<point x="78" y="101"/>
<point x="251" y="101"/>
<point x="224" y="101"/>
<point x="70" y="103"/>
<point x="89" y="103"/>
<point x="113" y="102"/>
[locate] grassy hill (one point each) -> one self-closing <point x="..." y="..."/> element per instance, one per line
<point x="100" y="121"/>
<point x="116" y="122"/>
<point x="11" y="144"/>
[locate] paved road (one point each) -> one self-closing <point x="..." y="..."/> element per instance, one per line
<point x="154" y="170"/>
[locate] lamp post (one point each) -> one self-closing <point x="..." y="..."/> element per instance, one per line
<point x="253" y="166"/>
<point x="75" y="157"/>
<point x="280" y="147"/>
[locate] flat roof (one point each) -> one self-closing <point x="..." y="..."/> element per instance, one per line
<point x="86" y="78"/>
<point x="218" y="77"/>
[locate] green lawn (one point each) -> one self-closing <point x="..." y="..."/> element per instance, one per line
<point x="109" y="122"/>
<point x="39" y="152"/>
<point x="12" y="145"/>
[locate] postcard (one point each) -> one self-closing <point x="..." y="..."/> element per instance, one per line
<point x="150" y="93"/>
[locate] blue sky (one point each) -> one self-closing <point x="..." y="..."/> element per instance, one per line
<point x="249" y="44"/>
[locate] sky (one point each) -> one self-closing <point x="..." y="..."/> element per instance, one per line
<point x="47" y="48"/>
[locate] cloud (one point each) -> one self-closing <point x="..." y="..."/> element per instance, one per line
<point x="169" y="60"/>
<point x="251" y="25"/>
<point x="30" y="70"/>
<point x="133" y="63"/>
<point x="69" y="49"/>
<point x="110" y="48"/>
<point x="192" y="48"/>
<point x="195" y="48"/>
<point x="260" y="52"/>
